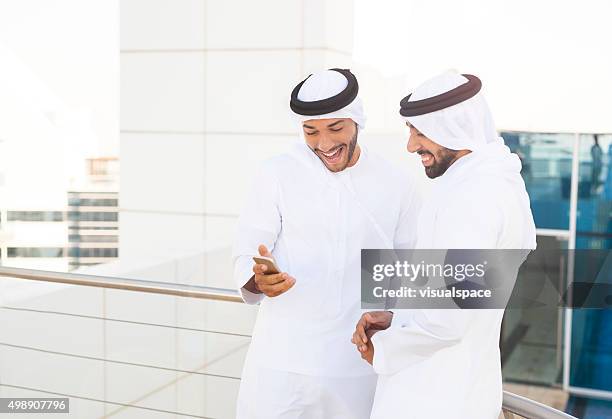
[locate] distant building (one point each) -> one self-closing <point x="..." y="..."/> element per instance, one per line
<point x="33" y="238"/>
<point x="84" y="231"/>
<point x="93" y="215"/>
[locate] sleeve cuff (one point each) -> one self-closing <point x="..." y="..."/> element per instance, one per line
<point x="250" y="297"/>
<point x="378" y="363"/>
<point x="243" y="271"/>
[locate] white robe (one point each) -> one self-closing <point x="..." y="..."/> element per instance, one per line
<point x="436" y="364"/>
<point x="301" y="362"/>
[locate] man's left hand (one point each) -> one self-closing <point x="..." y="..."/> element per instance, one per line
<point x="368" y="353"/>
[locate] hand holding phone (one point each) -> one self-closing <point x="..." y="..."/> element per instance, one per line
<point x="271" y="267"/>
<point x="268" y="278"/>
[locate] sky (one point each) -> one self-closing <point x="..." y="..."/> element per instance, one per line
<point x="545" y="65"/>
<point x="60" y="58"/>
<point x="59" y="95"/>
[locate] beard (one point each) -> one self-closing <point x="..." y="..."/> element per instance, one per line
<point x="443" y="160"/>
<point x="351" y="148"/>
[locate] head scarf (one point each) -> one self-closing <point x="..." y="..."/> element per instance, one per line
<point x="467" y="125"/>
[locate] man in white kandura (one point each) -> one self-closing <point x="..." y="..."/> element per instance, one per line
<point x="313" y="209"/>
<point x="445" y="363"/>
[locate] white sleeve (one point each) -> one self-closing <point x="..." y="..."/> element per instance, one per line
<point x="418" y="334"/>
<point x="410" y="205"/>
<point x="259" y="223"/>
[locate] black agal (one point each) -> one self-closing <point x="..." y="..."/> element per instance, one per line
<point x="435" y="103"/>
<point x="331" y="104"/>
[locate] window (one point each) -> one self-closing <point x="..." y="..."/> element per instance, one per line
<point x="77" y="252"/>
<point x="35" y="252"/>
<point x="91" y="238"/>
<point x="35" y="216"/>
<point x="92" y="216"/>
<point x="93" y="202"/>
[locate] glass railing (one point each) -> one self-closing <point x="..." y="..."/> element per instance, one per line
<point x="121" y="347"/>
<point x="130" y="348"/>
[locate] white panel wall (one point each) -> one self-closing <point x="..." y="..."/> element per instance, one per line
<point x="162" y="24"/>
<point x="162" y="91"/>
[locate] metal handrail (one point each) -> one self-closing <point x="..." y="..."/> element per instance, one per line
<point x="128" y="284"/>
<point x="512" y="404"/>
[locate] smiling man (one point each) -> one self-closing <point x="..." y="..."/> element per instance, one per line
<point x="313" y="209"/>
<point x="445" y="363"/>
<point x="341" y="155"/>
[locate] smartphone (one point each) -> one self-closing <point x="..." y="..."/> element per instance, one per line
<point x="271" y="267"/>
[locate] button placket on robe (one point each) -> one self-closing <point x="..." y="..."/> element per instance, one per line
<point x="341" y="239"/>
<point x="342" y="244"/>
<point x="336" y="271"/>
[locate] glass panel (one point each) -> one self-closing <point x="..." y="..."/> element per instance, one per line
<point x="532" y="338"/>
<point x="59" y="135"/>
<point x="591" y="362"/>
<point x="547" y="169"/>
<point x="594" y="223"/>
<point x="115" y="352"/>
